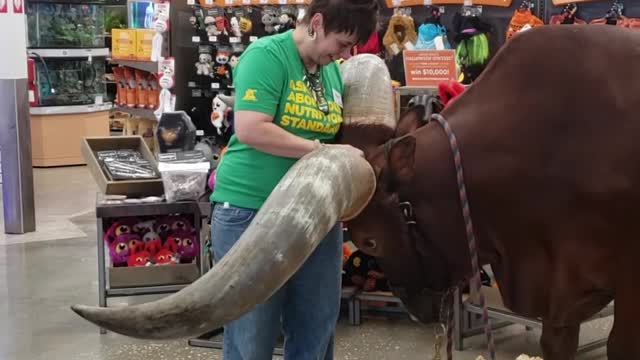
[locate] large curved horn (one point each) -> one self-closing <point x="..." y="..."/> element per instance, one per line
<point x="321" y="188"/>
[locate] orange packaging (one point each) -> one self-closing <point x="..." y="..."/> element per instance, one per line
<point x="154" y="92"/>
<point x="142" y="86"/>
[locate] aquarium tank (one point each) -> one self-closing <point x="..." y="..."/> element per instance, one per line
<point x="70" y="81"/>
<point x="66" y="24"/>
<point x="140" y="14"/>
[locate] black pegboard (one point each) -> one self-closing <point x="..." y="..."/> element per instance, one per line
<point x="592" y="10"/>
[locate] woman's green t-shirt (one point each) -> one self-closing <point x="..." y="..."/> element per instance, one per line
<point x="269" y="78"/>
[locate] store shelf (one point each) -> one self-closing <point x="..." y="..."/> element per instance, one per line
<point x="71" y="109"/>
<point x="143" y="113"/>
<point x="69" y="53"/>
<point x="145" y="290"/>
<point x="120" y="210"/>
<point x="148" y="66"/>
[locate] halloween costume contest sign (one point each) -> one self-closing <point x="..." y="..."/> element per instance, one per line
<point x="13" y="62"/>
<point x="429" y="67"/>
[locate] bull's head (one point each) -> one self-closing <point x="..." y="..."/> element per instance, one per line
<point x="322" y="188"/>
<point x="386" y="228"/>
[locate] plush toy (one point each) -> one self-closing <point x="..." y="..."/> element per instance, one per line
<point x="219" y="114"/>
<point x="449" y="90"/>
<point x="119" y="227"/>
<point x="163" y="227"/>
<point x="222" y="25"/>
<point x="165" y="257"/>
<point x="245" y="25"/>
<point x="233" y="61"/>
<point x="173" y="242"/>
<point x="119" y="252"/>
<point x="210" y="26"/>
<point x="133" y="241"/>
<point x="363" y="271"/>
<point x="180" y="223"/>
<point x="286" y="22"/>
<point x="143" y="227"/>
<point x="270" y="20"/>
<point x="203" y="66"/>
<point x="152" y="243"/>
<point x="142" y="258"/>
<point x="222" y="67"/>
<point x="235" y="27"/>
<point x="189" y="246"/>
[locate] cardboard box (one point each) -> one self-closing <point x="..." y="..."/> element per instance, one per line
<point x="123" y="44"/>
<point x="130" y="188"/>
<point x="156" y="275"/>
<point x="144" y="43"/>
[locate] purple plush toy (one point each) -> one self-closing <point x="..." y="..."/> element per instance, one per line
<point x="189" y="246"/>
<point x="119" y="251"/>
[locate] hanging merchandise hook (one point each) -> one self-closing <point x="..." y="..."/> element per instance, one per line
<point x="527" y="5"/>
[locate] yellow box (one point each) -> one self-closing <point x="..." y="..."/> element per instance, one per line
<point x="123" y="44"/>
<point x="144" y="43"/>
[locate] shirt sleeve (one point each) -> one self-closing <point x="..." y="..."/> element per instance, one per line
<point x="258" y="80"/>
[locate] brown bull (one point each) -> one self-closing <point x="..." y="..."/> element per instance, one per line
<point x="550" y="145"/>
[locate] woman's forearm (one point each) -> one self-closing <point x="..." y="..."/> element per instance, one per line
<point x="272" y="139"/>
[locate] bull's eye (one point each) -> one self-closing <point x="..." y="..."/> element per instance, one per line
<point x="370" y="243"/>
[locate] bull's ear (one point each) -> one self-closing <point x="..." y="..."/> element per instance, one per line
<point x="402" y="158"/>
<point x="410" y="120"/>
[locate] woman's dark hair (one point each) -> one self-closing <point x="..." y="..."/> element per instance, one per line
<point x="350" y="16"/>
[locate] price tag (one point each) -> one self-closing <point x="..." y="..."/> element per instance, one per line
<point x="191" y="84"/>
<point x="300" y="1"/>
<point x="264" y="1"/>
<point x="397" y="2"/>
<point x="191" y="2"/>
<point x="228" y="2"/>
<point x="234" y="39"/>
<point x="253" y="38"/>
<point x="428" y="2"/>
<point x="468" y="2"/>
<point x="282" y="2"/>
<point x="213" y="38"/>
<point x="246" y="2"/>
<point x="195" y="39"/>
<point x="208" y="2"/>
<point x="215" y="85"/>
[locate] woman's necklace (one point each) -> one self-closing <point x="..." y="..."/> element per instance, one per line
<point x="315" y="84"/>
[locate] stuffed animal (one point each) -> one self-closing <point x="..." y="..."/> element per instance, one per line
<point x="245" y="25"/>
<point x="203" y="66"/>
<point x="233" y="61"/>
<point x="165" y="257"/>
<point x="363" y="271"/>
<point x="210" y="26"/>
<point x="143" y="227"/>
<point x="119" y="227"/>
<point x="173" y="242"/>
<point x="163" y="227"/>
<point x="119" y="252"/>
<point x="180" y="223"/>
<point x="189" y="247"/>
<point x="153" y="244"/>
<point x="222" y="67"/>
<point x="142" y="258"/>
<point x="134" y="242"/>
<point x="286" y="22"/>
<point x="219" y="114"/>
<point x="270" y="20"/>
<point x="222" y="25"/>
<point x="235" y="27"/>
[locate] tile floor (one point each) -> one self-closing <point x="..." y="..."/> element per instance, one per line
<point x="42" y="273"/>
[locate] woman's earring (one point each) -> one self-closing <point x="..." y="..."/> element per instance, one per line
<point x="312" y="34"/>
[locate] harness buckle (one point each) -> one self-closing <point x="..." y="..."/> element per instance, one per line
<point x="407" y="212"/>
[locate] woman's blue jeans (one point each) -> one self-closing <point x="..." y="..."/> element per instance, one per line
<point x="305" y="309"/>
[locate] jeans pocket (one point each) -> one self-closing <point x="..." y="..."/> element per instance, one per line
<point x="232" y="216"/>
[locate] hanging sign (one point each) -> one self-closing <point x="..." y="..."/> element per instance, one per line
<point x="429" y="67"/>
<point x="3" y="6"/>
<point x="18" y="6"/>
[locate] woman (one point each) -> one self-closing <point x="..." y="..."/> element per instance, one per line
<point x="288" y="101"/>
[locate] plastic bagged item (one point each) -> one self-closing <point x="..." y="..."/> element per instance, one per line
<point x="126" y="164"/>
<point x="368" y="93"/>
<point x="184" y="175"/>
